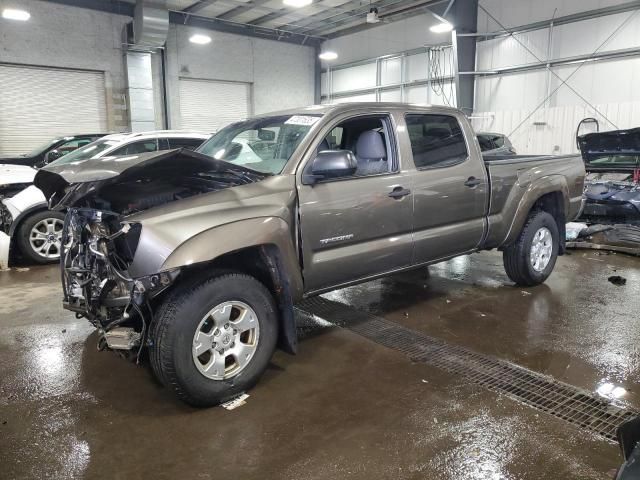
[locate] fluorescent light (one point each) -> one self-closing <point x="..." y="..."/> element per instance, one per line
<point x="12" y="14"/>
<point x="328" y="55"/>
<point x="200" y="39"/>
<point x="297" y="3"/>
<point x="441" y="27"/>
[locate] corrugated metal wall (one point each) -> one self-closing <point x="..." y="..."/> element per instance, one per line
<point x="504" y="101"/>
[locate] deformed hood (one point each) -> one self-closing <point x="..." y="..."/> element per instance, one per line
<point x="615" y="142"/>
<point x="88" y="177"/>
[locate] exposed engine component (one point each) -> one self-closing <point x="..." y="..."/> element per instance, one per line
<point x="96" y="252"/>
<point x="612" y="201"/>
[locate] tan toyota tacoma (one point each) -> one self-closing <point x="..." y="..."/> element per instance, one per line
<point x="201" y="256"/>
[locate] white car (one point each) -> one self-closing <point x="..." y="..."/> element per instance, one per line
<point x="25" y="221"/>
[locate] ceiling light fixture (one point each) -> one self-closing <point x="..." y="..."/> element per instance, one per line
<point x="297" y="3"/>
<point x="200" y="39"/>
<point x="12" y="14"/>
<point x="328" y="55"/>
<point x="443" y="27"/>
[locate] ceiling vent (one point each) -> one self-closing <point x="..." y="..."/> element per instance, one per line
<point x="150" y="25"/>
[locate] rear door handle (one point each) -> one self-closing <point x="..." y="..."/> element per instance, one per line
<point x="399" y="192"/>
<point x="472" y="182"/>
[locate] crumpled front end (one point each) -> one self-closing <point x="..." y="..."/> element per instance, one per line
<point x="111" y="258"/>
<point x="612" y="201"/>
<point x="97" y="250"/>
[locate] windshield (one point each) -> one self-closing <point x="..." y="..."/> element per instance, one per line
<point x="86" y="152"/>
<point x="264" y="144"/>
<point x="42" y="148"/>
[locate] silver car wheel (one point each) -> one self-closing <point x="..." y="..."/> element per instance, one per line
<point x="541" y="249"/>
<point x="226" y="340"/>
<point x="45" y="238"/>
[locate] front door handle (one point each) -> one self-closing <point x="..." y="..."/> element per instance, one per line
<point x="472" y="182"/>
<point x="399" y="192"/>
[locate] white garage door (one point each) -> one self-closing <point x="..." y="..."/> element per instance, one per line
<point x="207" y="105"/>
<point x="37" y="104"/>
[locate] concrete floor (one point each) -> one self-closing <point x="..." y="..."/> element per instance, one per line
<point x="343" y="407"/>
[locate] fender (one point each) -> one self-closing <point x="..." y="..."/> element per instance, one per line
<point x="33" y="209"/>
<point x="538" y="188"/>
<point x="229" y="237"/>
<point x="272" y="235"/>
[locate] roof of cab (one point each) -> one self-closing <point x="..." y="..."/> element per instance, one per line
<point x="346" y="106"/>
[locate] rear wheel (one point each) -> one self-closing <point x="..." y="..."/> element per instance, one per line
<point x="530" y="260"/>
<point x="39" y="236"/>
<point x="214" y="340"/>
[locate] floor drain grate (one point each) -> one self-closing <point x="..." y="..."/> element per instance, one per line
<point x="561" y="400"/>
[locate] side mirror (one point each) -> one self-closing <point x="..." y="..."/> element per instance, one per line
<point x="52" y="156"/>
<point x="266" y="135"/>
<point x="331" y="164"/>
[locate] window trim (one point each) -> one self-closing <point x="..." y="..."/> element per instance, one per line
<point x="437" y="167"/>
<point x="393" y="145"/>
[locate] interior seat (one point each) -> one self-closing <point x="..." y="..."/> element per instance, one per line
<point x="371" y="154"/>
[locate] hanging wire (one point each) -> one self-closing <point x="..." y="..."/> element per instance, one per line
<point x="439" y="82"/>
<point x="563" y="81"/>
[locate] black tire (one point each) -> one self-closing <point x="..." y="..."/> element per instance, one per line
<point x="24" y="232"/>
<point x="175" y="325"/>
<point x="516" y="257"/>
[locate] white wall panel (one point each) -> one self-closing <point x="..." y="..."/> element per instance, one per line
<point x="552" y="130"/>
<point x="368" y="97"/>
<point x="509" y="92"/>
<point x="570" y="39"/>
<point x="354" y="78"/>
<point x="507" y="51"/>
<point x="391" y="71"/>
<point x="513" y="13"/>
<point x="391" y="96"/>
<point x="416" y="67"/>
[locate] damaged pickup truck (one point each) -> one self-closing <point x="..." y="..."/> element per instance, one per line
<point x="200" y="256"/>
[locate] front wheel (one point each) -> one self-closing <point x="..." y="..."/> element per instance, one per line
<point x="214" y="340"/>
<point x="531" y="258"/>
<point x="39" y="236"/>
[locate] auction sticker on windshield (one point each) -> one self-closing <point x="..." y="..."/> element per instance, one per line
<point x="306" y="120"/>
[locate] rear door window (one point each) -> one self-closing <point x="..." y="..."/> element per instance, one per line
<point x="436" y="140"/>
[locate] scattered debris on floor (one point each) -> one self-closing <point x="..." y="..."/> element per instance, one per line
<point x="617" y="238"/>
<point x="617" y="280"/>
<point x="236" y="402"/>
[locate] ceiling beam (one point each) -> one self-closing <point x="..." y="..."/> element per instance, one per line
<point x="234" y="12"/>
<point x="355" y="23"/>
<point x="311" y="22"/>
<point x="198" y="5"/>
<point x="283" y="12"/>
